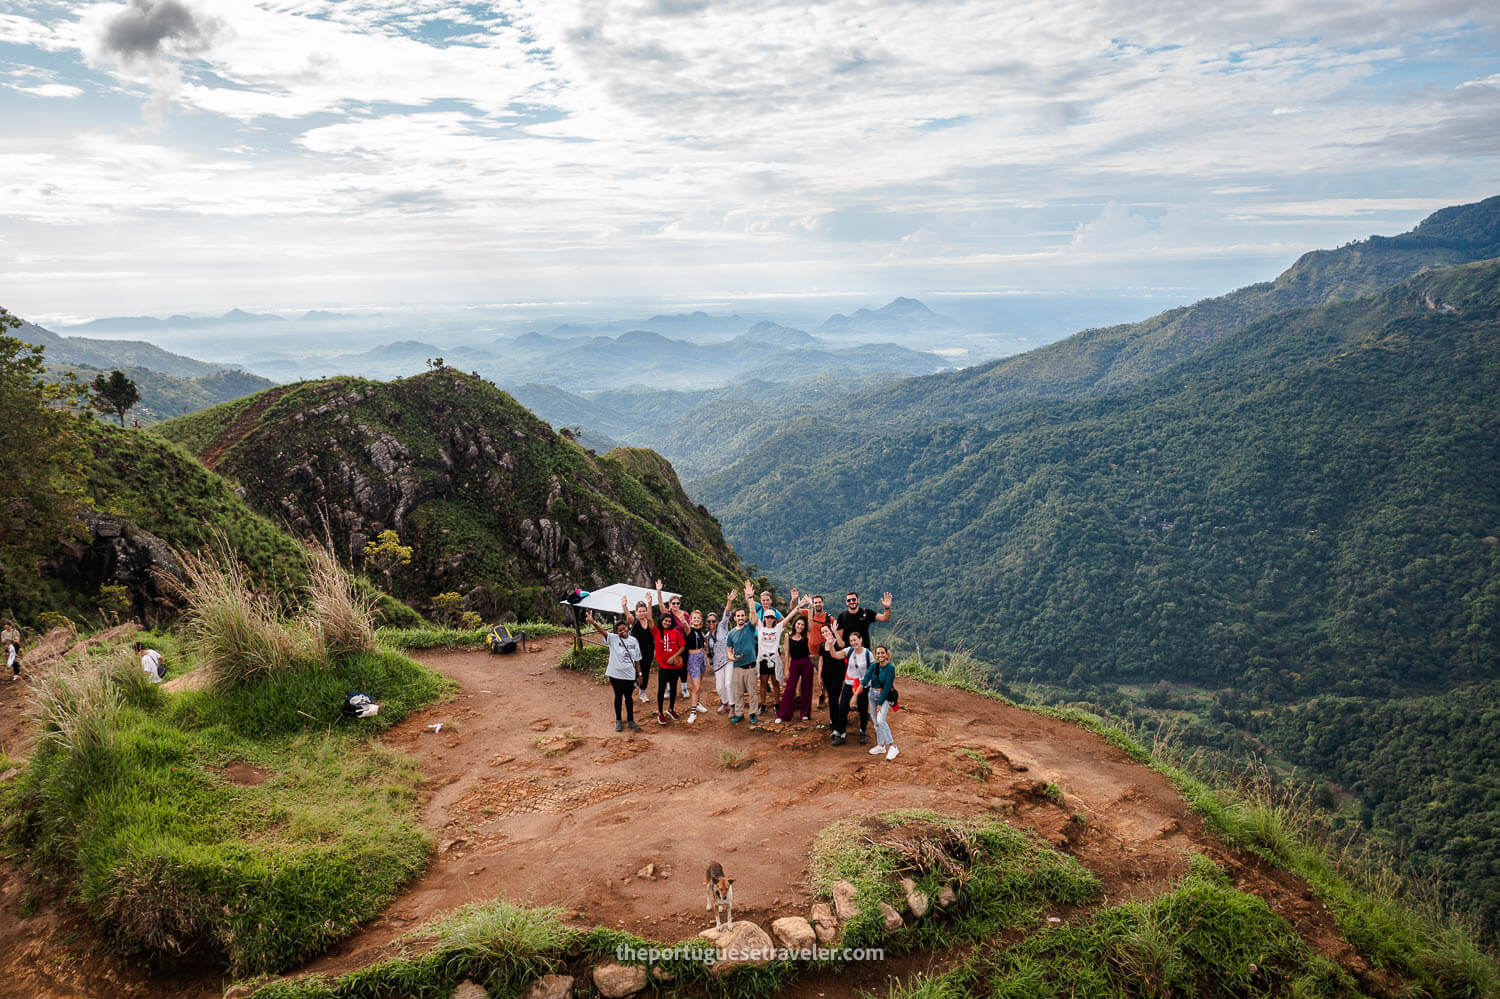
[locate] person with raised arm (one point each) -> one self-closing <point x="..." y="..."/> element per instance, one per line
<point x="743" y="642"/>
<point x="857" y="618"/>
<point x="768" y="644"/>
<point x="623" y="669"/>
<point x="796" y="653"/>
<point x="721" y="659"/>
<point x="640" y="630"/>
<point x="670" y="668"/>
<point x="857" y="660"/>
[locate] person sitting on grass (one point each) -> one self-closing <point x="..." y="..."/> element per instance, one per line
<point x="623" y="670"/>
<point x="151" y="663"/>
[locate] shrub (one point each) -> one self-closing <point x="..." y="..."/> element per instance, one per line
<point x="343" y="615"/>
<point x="233" y="631"/>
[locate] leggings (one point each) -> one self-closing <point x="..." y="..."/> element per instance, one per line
<point x="833" y="679"/>
<point x="624" y="691"/>
<point x="666" y="683"/>
<point x="862" y="702"/>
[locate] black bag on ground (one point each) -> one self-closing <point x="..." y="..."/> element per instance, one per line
<point x="502" y="641"/>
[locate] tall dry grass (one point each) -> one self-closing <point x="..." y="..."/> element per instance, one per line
<point x="231" y="630"/>
<point x="343" y="618"/>
<point x="76" y="707"/>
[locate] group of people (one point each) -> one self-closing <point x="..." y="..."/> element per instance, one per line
<point x="756" y="657"/>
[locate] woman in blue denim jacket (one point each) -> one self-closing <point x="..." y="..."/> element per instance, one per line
<point x="880" y="679"/>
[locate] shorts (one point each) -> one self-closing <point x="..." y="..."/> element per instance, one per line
<point x="696" y="661"/>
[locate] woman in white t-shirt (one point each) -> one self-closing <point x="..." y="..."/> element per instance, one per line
<point x="623" y="670"/>
<point x="857" y="661"/>
<point x="151" y="663"/>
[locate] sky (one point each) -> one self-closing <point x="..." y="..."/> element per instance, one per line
<point x="194" y="155"/>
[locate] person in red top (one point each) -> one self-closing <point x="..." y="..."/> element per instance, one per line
<point x="670" y="666"/>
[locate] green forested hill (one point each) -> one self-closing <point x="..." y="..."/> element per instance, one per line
<point x="496" y="505"/>
<point x="1307" y="507"/>
<point x="164" y="396"/>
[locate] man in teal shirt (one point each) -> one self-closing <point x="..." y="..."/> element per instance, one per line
<point x="742" y="642"/>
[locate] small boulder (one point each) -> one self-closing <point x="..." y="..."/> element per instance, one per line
<point x="893" y="920"/>
<point x="916" y="898"/>
<point x="794" y="933"/>
<point x="470" y="990"/>
<point x="647" y="873"/>
<point x="615" y="981"/>
<point x="824" y="925"/>
<point x="550" y="987"/>
<point x="946" y="896"/>
<point x="843" y="901"/>
<point x="747" y="943"/>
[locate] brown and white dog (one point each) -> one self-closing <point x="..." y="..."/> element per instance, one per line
<point x="720" y="894"/>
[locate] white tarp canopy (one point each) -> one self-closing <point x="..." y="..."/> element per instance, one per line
<point x="607" y="600"/>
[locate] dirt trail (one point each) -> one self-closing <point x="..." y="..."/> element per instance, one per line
<point x="242" y="425"/>
<point x="533" y="796"/>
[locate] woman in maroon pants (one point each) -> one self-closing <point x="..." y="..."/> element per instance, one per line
<point x="799" y="669"/>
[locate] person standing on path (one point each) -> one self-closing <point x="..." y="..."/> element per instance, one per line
<point x="880" y="683"/>
<point x="858" y="619"/>
<point x="670" y="667"/>
<point x="674" y="606"/>
<point x="640" y="630"/>
<point x="768" y="644"/>
<point x="830" y="671"/>
<point x="799" y="669"/>
<point x="857" y="661"/>
<point x="742" y="645"/>
<point x="623" y="669"/>
<point x="721" y="658"/>
<point x="697" y="660"/>
<point x="10" y="642"/>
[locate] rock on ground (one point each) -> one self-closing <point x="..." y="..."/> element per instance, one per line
<point x="916" y="899"/>
<point x="843" y="901"/>
<point x="747" y="943"/>
<point x="893" y="920"/>
<point x="946" y="896"/>
<point x="550" y="987"/>
<point x="615" y="981"/>
<point x="467" y="989"/>
<point x="794" y="933"/>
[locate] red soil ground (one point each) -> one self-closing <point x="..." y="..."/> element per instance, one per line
<point x="534" y="797"/>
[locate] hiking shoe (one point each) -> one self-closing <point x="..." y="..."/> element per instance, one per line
<point x="671" y="714"/>
<point x="894" y="752"/>
<point x="723" y="709"/>
<point x="619" y="725"/>
<point x="633" y="727"/>
<point x="699" y="707"/>
<point x="736" y="719"/>
<point x="807" y="717"/>
<point x="862" y="739"/>
<point x="838" y="739"/>
<point x="752" y="720"/>
<point x="877" y="751"/>
<point x="661" y="719"/>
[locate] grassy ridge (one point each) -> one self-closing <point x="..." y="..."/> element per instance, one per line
<point x="253" y="825"/>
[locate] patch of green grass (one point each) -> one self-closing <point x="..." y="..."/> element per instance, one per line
<point x="591" y="659"/>
<point x="1202" y="939"/>
<point x="979" y="767"/>
<point x="429" y="636"/>
<point x="1003" y="877"/>
<point x="1435" y="952"/>
<point x="732" y="758"/>
<point x="173" y="857"/>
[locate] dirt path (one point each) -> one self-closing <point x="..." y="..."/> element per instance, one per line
<point x="242" y="425"/>
<point x="535" y="798"/>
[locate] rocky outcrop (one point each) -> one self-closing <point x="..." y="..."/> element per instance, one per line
<point x="122" y="553"/>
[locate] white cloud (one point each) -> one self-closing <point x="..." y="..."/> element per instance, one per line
<point x="600" y="137"/>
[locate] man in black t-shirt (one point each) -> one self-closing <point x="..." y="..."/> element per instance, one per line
<point x="857" y="619"/>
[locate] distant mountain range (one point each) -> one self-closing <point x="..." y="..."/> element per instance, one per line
<point x="902" y="315"/>
<point x="234" y="317"/>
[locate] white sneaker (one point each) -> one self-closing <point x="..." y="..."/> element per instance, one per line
<point x="699" y="707"/>
<point x="877" y="750"/>
<point x="893" y="753"/>
<point x="778" y="721"/>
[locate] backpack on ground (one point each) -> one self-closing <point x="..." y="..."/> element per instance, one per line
<point x="502" y="641"/>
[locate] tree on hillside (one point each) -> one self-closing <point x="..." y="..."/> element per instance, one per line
<point x="387" y="554"/>
<point x="41" y="460"/>
<point x="114" y="394"/>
